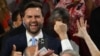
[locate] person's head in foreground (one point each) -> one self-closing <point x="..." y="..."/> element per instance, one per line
<point x="69" y="52"/>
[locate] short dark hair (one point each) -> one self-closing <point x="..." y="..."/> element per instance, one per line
<point x="15" y="14"/>
<point x="60" y="13"/>
<point x="31" y="4"/>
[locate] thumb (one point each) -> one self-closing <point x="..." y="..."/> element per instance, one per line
<point x="75" y="34"/>
<point x="37" y="47"/>
<point x="58" y="22"/>
<point x="14" y="47"/>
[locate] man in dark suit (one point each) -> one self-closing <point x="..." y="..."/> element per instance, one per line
<point x="33" y="20"/>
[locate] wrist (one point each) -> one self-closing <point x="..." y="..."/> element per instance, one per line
<point x="63" y="36"/>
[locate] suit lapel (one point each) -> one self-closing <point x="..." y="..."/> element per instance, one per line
<point x="23" y="41"/>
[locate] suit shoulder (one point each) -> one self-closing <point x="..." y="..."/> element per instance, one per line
<point x="16" y="37"/>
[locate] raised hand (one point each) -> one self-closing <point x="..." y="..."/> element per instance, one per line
<point x="30" y="51"/>
<point x="43" y="52"/>
<point x="36" y="51"/>
<point x="82" y="32"/>
<point x="48" y="53"/>
<point x="81" y="25"/>
<point x="61" y="29"/>
<point x="14" y="52"/>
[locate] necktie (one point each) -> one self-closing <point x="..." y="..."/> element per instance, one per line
<point x="33" y="41"/>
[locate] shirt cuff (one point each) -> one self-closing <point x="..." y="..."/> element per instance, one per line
<point x="66" y="44"/>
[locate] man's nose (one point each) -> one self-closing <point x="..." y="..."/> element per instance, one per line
<point x="33" y="19"/>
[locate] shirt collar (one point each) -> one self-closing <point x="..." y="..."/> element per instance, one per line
<point x="29" y="37"/>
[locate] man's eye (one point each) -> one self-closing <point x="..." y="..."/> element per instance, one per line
<point x="29" y="16"/>
<point x="37" y="16"/>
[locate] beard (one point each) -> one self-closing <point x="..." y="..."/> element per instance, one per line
<point x="33" y="30"/>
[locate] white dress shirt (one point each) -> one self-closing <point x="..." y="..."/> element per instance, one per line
<point x="29" y="37"/>
<point x="64" y="43"/>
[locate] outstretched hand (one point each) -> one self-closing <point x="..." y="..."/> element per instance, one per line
<point x="82" y="32"/>
<point x="81" y="25"/>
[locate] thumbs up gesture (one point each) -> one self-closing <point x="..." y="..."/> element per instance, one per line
<point x="14" y="52"/>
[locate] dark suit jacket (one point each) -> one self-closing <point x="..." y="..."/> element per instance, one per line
<point x="21" y="44"/>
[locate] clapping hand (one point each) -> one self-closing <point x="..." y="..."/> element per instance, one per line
<point x="33" y="51"/>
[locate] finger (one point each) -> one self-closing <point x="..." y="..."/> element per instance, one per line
<point x="78" y="25"/>
<point x="85" y="23"/>
<point x="36" y="51"/>
<point x="36" y="48"/>
<point x="81" y="21"/>
<point x="14" y="47"/>
<point x="27" y="53"/>
<point x="55" y="27"/>
<point x="75" y="34"/>
<point x="54" y="54"/>
<point x="58" y="22"/>
<point x="19" y="53"/>
<point x="49" y="52"/>
<point x="65" y="26"/>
